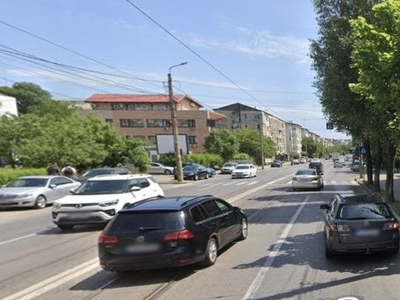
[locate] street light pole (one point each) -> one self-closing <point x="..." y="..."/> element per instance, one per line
<point x="262" y="141"/>
<point x="174" y="125"/>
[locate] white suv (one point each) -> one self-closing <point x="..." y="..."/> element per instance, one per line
<point x="99" y="199"/>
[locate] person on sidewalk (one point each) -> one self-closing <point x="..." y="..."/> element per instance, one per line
<point x="69" y="171"/>
<point x="53" y="169"/>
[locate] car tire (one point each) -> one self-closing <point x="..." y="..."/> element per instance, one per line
<point x="196" y="177"/>
<point x="40" y="202"/>
<point x="211" y="252"/>
<point x="65" y="226"/>
<point x="244" y="229"/>
<point x="167" y="172"/>
<point x="206" y="177"/>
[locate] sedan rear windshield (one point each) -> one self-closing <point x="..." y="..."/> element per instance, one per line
<point x="306" y="172"/>
<point x="128" y="221"/>
<point x="362" y="211"/>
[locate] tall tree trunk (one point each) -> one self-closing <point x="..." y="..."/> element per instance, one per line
<point x="390" y="172"/>
<point x="377" y="169"/>
<point x="368" y="158"/>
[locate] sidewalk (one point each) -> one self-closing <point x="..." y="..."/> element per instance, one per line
<point x="382" y="180"/>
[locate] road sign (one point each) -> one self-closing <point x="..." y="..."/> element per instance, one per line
<point x="362" y="150"/>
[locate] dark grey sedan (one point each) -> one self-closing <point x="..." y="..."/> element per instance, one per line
<point x="360" y="224"/>
<point x="35" y="191"/>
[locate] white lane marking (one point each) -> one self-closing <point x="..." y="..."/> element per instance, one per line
<point x="55" y="281"/>
<point x="253" y="182"/>
<point x="229" y="183"/>
<point x="255" y="285"/>
<point x="241" y="183"/>
<point x="18" y="239"/>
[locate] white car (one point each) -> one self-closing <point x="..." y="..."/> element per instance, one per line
<point x="100" y="198"/>
<point x="244" y="171"/>
<point x="307" y="179"/>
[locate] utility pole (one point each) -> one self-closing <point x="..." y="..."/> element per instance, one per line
<point x="174" y="125"/>
<point x="262" y="141"/>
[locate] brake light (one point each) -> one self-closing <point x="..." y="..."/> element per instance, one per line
<point x="342" y="228"/>
<point x="107" y="239"/>
<point x="178" y="235"/>
<point x="332" y="228"/>
<point x="390" y="226"/>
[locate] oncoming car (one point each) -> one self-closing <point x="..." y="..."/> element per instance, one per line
<point x="170" y="232"/>
<point x="100" y="198"/>
<point x="359" y="223"/>
<point x="244" y="171"/>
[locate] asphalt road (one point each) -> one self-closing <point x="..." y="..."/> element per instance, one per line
<point x="283" y="257"/>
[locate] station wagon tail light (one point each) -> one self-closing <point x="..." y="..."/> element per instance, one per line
<point x="179" y="235"/>
<point x="107" y="239"/>
<point x="390" y="226"/>
<point x="339" y="228"/>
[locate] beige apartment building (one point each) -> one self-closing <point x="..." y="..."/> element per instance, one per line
<point x="240" y="116"/>
<point x="146" y="116"/>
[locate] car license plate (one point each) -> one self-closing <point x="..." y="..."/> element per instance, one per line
<point x="367" y="232"/>
<point x="142" y="248"/>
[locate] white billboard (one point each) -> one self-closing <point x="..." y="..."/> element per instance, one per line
<point x="165" y="143"/>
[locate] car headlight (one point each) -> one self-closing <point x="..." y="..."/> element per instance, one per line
<point x="57" y="205"/>
<point x="109" y="203"/>
<point x="25" y="195"/>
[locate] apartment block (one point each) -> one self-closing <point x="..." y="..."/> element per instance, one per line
<point x="145" y="116"/>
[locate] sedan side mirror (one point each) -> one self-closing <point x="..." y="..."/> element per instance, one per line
<point x="135" y="188"/>
<point x="324" y="206"/>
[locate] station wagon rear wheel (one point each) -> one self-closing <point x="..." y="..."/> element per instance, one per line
<point x="211" y="252"/>
<point x="167" y="172"/>
<point x="40" y="202"/>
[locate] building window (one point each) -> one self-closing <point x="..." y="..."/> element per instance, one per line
<point x="139" y="137"/>
<point x="109" y="120"/>
<point x="160" y="107"/>
<point x="118" y="106"/>
<point x="131" y="123"/>
<point x="186" y="123"/>
<point x="157" y="123"/>
<point x="152" y="139"/>
<point x="192" y="139"/>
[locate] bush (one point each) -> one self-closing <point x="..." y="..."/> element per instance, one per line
<point x="9" y="174"/>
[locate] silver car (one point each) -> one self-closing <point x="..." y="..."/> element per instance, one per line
<point x="157" y="168"/>
<point x="307" y="179"/>
<point x="35" y="191"/>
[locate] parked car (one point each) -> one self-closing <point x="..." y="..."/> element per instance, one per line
<point x="338" y="164"/>
<point x="157" y="168"/>
<point x="355" y="167"/>
<point x="228" y="167"/>
<point x="194" y="172"/>
<point x="317" y="165"/>
<point x="103" y="171"/>
<point x="171" y="232"/>
<point x="100" y="198"/>
<point x="307" y="179"/>
<point x="244" y="171"/>
<point x="211" y="172"/>
<point x="277" y="163"/>
<point x="35" y="191"/>
<point x="360" y="223"/>
<point x="295" y="162"/>
<point x="303" y="160"/>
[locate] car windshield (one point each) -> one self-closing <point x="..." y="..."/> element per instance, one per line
<point x="190" y="168"/>
<point x="94" y="187"/>
<point x="361" y="211"/>
<point x="28" y="182"/>
<point x="229" y="165"/>
<point x="306" y="172"/>
<point x="239" y="167"/>
<point x="96" y="172"/>
<point x="128" y="221"/>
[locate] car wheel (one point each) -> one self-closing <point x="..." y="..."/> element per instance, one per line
<point x="211" y="253"/>
<point x="40" y="202"/>
<point x="244" y="229"/>
<point x="65" y="226"/>
<point x="167" y="172"/>
<point x="206" y="177"/>
<point x="196" y="177"/>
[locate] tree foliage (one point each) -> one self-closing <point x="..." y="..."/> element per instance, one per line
<point x="27" y="95"/>
<point x="222" y="142"/>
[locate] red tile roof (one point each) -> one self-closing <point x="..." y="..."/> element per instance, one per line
<point x="129" y="98"/>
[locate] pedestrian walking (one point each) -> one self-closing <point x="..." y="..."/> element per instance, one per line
<point x="69" y="171"/>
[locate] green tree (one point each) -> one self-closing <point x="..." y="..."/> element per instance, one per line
<point x="27" y="95"/>
<point x="376" y="59"/>
<point x="222" y="142"/>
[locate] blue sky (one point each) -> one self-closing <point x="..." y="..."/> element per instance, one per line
<point x="254" y="52"/>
